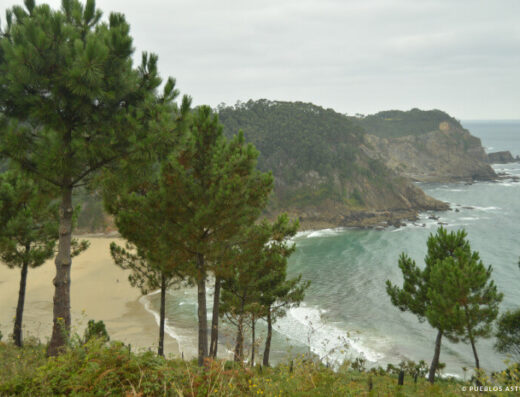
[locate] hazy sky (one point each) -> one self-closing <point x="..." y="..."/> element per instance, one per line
<point x="461" y="56"/>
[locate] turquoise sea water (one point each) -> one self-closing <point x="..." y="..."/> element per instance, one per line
<point x="347" y="313"/>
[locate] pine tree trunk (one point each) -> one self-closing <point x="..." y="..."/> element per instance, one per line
<point x="472" y="339"/>
<point x="436" y="355"/>
<point x="239" y="343"/>
<point x="160" y="351"/>
<point x="202" y="311"/>
<point x="17" y="332"/>
<point x="268" y="338"/>
<point x="253" y="321"/>
<point x="214" y="321"/>
<point x="61" y="308"/>
<point x="477" y="362"/>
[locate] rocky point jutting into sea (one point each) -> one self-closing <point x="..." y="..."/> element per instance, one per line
<point x="334" y="170"/>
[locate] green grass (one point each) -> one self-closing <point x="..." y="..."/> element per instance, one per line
<point x="98" y="369"/>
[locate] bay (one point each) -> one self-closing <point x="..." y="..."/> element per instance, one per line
<point x="347" y="313"/>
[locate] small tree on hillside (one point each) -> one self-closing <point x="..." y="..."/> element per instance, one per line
<point x="462" y="293"/>
<point x="72" y="105"/>
<point x="28" y="232"/>
<point x="414" y="295"/>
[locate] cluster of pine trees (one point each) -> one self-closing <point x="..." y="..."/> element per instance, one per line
<point x="75" y="114"/>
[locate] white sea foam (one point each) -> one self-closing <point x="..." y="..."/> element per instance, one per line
<point x="304" y="324"/>
<point x="325" y="232"/>
<point x="146" y="302"/>
<point x="485" y="209"/>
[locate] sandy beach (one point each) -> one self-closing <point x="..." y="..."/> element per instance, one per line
<point x="99" y="290"/>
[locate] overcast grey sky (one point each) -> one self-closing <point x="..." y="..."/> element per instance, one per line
<point x="461" y="56"/>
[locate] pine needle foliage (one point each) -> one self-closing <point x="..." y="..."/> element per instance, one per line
<point x="71" y="105"/>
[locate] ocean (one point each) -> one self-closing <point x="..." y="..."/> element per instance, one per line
<point x="346" y="312"/>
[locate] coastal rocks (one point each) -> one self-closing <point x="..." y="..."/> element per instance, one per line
<point x="502" y="157"/>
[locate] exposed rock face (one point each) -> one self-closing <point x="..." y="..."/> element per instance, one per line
<point x="449" y="153"/>
<point x="502" y="157"/>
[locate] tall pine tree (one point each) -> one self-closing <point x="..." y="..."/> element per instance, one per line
<point x="210" y="191"/>
<point x="71" y="105"/>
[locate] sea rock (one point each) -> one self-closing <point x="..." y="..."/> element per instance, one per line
<point x="502" y="157"/>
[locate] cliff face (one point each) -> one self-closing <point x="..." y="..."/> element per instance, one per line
<point x="324" y="172"/>
<point x="440" y="149"/>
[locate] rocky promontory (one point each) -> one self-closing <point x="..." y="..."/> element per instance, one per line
<point x="325" y="174"/>
<point x="426" y="146"/>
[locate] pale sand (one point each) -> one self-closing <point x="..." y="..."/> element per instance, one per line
<point x="99" y="290"/>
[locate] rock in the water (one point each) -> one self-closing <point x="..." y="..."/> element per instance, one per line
<point x="502" y="157"/>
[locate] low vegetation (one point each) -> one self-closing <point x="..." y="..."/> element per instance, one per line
<point x="98" y="368"/>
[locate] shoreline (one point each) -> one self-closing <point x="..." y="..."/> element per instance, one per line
<point x="99" y="290"/>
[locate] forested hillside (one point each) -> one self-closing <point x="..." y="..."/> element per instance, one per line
<point x="322" y="171"/>
<point x="396" y="123"/>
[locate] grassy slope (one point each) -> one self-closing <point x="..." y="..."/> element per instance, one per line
<point x="101" y="370"/>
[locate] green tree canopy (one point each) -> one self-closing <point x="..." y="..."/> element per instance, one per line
<point x="415" y="296"/>
<point x="508" y="334"/>
<point x="463" y="298"/>
<point x="72" y="104"/>
<point x="28" y="232"/>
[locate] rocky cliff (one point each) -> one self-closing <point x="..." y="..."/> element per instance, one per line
<point x="426" y="146"/>
<point x="326" y="172"/>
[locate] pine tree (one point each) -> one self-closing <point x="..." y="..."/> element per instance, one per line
<point x="508" y="334"/>
<point x="281" y="295"/>
<point x="72" y="105"/>
<point x="463" y="297"/>
<point x="414" y="296"/>
<point x="278" y="292"/>
<point x="29" y="231"/>
<point x="205" y="193"/>
<point x="248" y="260"/>
<point x="210" y="191"/>
<point x="147" y="275"/>
<point x="259" y="264"/>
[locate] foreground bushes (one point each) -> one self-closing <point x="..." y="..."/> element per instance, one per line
<point x="98" y="369"/>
